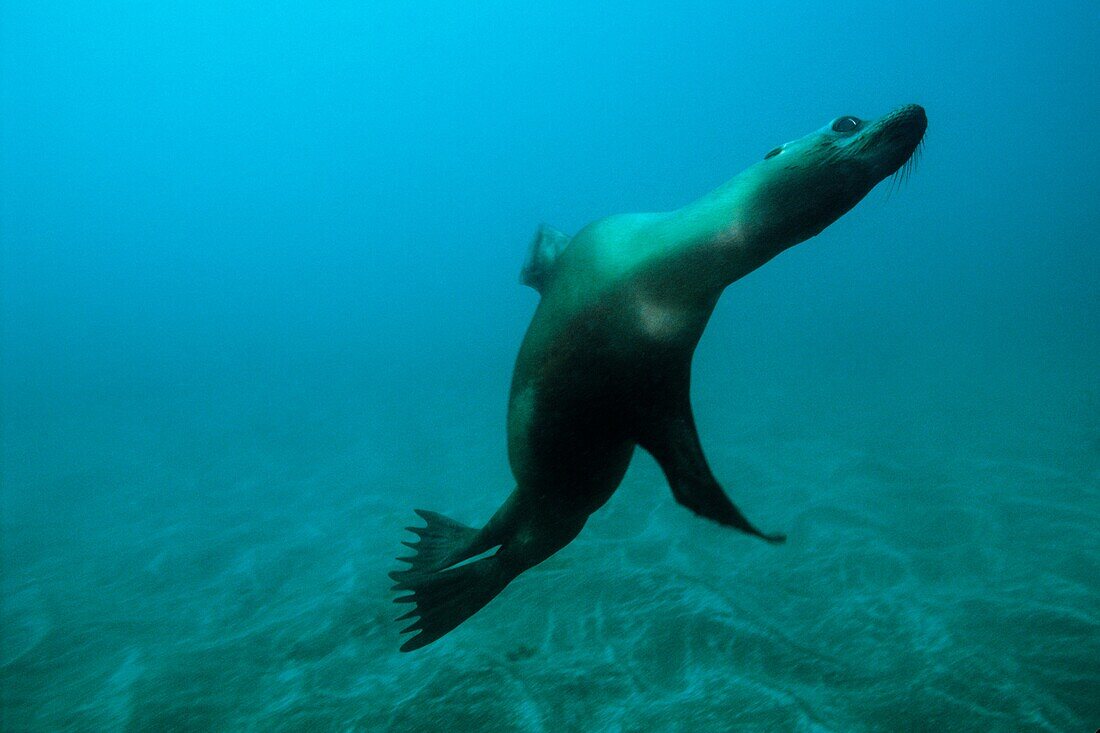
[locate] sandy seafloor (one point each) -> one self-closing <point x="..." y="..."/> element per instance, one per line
<point x="940" y="574"/>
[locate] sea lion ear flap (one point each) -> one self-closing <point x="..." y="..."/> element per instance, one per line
<point x="545" y="248"/>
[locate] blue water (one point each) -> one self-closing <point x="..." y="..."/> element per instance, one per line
<point x="260" y="300"/>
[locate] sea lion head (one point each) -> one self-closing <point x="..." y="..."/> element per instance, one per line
<point x="805" y="185"/>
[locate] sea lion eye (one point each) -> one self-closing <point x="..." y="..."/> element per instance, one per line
<point x="846" y="124"/>
<point x="774" y="153"/>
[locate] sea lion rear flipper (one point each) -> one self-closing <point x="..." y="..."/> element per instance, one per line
<point x="441" y="544"/>
<point x="547" y="244"/>
<point x="674" y="442"/>
<point x="446" y="598"/>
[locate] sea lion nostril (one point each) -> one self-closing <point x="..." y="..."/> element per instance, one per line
<point x="904" y="123"/>
<point x="913" y="114"/>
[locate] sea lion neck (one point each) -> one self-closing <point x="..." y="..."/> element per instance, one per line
<point x="721" y="235"/>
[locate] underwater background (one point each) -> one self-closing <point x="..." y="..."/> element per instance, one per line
<point x="260" y="301"/>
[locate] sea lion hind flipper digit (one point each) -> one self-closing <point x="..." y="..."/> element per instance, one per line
<point x="674" y="443"/>
<point x="443" y="542"/>
<point x="447" y="598"/>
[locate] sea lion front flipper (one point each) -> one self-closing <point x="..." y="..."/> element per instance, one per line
<point x="674" y="442"/>
<point x="547" y="244"/>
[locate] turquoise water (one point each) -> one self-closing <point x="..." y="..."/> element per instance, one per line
<point x="260" y="302"/>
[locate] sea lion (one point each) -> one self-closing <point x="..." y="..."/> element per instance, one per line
<point x="606" y="362"/>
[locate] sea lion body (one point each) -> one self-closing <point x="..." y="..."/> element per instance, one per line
<point x="605" y="338"/>
<point x="605" y="365"/>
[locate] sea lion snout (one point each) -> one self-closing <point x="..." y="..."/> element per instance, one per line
<point x="893" y="139"/>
